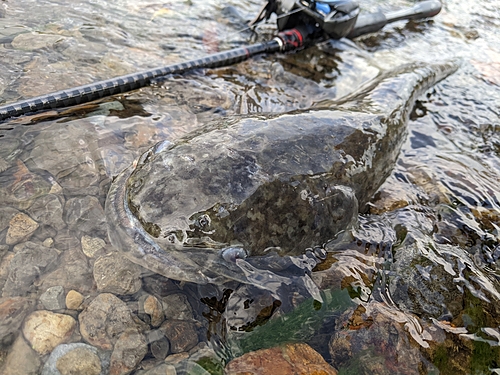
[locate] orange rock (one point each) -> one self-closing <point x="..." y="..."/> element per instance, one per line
<point x="289" y="359"/>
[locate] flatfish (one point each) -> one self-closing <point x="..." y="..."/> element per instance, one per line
<point x="256" y="198"/>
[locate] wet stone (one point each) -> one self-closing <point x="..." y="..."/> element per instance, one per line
<point x="181" y="334"/>
<point x="105" y="318"/>
<point x="34" y="41"/>
<point x="21" y="227"/>
<point x="84" y="214"/>
<point x="30" y="261"/>
<point x="12" y="313"/>
<point x="91" y="245"/>
<point x="73" y="300"/>
<point x="115" y="274"/>
<point x="53" y="298"/>
<point x="73" y="272"/>
<point x="21" y="360"/>
<point x="296" y="358"/>
<point x="158" y="344"/>
<point x="176" y="306"/>
<point x="48" y="242"/>
<point x="48" y="210"/>
<point x="44" y="330"/>
<point x="153" y="308"/>
<point x="6" y="214"/>
<point x="74" y="359"/>
<point x="129" y="350"/>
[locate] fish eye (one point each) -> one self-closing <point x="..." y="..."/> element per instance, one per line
<point x="204" y="221"/>
<point x="231" y="254"/>
<point x="171" y="237"/>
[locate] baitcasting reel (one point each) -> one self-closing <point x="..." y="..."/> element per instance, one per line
<point x="335" y="18"/>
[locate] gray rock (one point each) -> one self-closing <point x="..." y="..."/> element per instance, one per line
<point x="176" y="306"/>
<point x="105" y="319"/>
<point x="181" y="334"/>
<point x="34" y="41"/>
<point x="48" y="210"/>
<point x="84" y="214"/>
<point x="73" y="272"/>
<point x="6" y="214"/>
<point x="115" y="274"/>
<point x="12" y="313"/>
<point x="130" y="349"/>
<point x="162" y="369"/>
<point x="159" y="345"/>
<point x="76" y="359"/>
<point x="53" y="298"/>
<point x="29" y="263"/>
<point x="21" y="360"/>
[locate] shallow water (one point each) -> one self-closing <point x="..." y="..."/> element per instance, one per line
<point x="424" y="269"/>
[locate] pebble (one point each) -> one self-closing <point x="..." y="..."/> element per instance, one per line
<point x="6" y="214"/>
<point x="176" y="306"/>
<point x="75" y="359"/>
<point x="12" y="313"/>
<point x="158" y="344"/>
<point x="105" y="318"/>
<point x="53" y="298"/>
<point x="74" y="300"/>
<point x="297" y="358"/>
<point x="21" y="360"/>
<point x="30" y="261"/>
<point x="181" y="334"/>
<point x="91" y="245"/>
<point x="153" y="308"/>
<point x="44" y="330"/>
<point x="48" y="242"/>
<point x="129" y="350"/>
<point x="115" y="274"/>
<point x="21" y="227"/>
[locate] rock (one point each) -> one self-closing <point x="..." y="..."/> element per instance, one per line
<point x="158" y="344"/>
<point x="130" y="349"/>
<point x="153" y="308"/>
<point x="115" y="274"/>
<point x="6" y="215"/>
<point x="372" y="342"/>
<point x="181" y="334"/>
<point x="162" y="369"/>
<point x="73" y="300"/>
<point x="176" y="306"/>
<point x="44" y="330"/>
<point x="33" y="41"/>
<point x="104" y="320"/>
<point x="12" y="313"/>
<point x="48" y="210"/>
<point x="84" y="214"/>
<point x="21" y="360"/>
<point x="48" y="242"/>
<point x="73" y="272"/>
<point x="75" y="359"/>
<point x="289" y="359"/>
<point x="91" y="245"/>
<point x="21" y="227"/>
<point x="53" y="298"/>
<point x="31" y="260"/>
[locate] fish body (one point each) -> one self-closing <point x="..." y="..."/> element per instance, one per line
<point x="263" y="186"/>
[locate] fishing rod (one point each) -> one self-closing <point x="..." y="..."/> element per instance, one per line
<point x="301" y="23"/>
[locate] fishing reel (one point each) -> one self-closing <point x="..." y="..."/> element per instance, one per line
<point x="335" y="18"/>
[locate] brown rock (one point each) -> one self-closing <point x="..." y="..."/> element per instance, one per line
<point x="79" y="361"/>
<point x="115" y="274"/>
<point x="181" y="334"/>
<point x="290" y="359"/>
<point x="129" y="350"/>
<point x="44" y="330"/>
<point x="73" y="300"/>
<point x="92" y="245"/>
<point x="153" y="308"/>
<point x="21" y="360"/>
<point x="104" y="320"/>
<point x="21" y="227"/>
<point x="12" y="313"/>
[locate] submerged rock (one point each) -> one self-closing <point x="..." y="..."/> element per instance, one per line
<point x="75" y="359"/>
<point x="209" y="207"/>
<point x="21" y="227"/>
<point x="296" y="359"/>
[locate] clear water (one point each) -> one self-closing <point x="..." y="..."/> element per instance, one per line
<point x="439" y="209"/>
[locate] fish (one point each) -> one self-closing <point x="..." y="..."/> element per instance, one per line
<point x="260" y="198"/>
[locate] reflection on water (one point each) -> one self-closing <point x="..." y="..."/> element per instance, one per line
<point x="416" y="291"/>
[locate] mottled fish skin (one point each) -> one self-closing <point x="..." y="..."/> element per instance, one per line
<point x="282" y="182"/>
